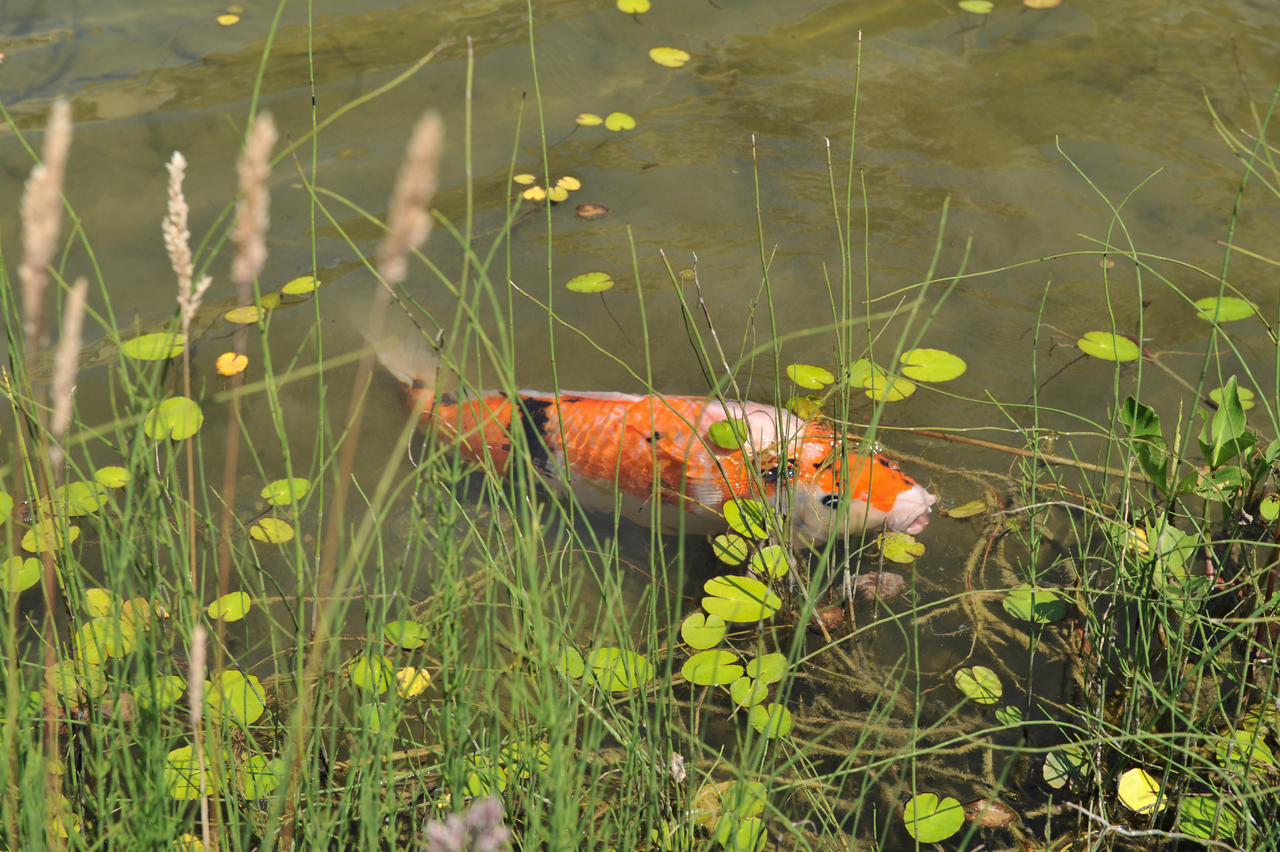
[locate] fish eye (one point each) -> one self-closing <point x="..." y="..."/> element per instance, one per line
<point x="831" y="501"/>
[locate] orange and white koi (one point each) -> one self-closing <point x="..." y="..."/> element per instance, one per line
<point x="621" y="450"/>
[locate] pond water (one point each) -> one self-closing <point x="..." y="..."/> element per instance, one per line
<point x="976" y="115"/>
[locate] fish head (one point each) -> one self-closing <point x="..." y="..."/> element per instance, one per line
<point x="839" y="496"/>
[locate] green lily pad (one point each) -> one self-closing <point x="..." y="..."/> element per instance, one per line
<point x="729" y="433"/>
<point x="857" y="373"/>
<point x="406" y="634"/>
<point x="49" y="535"/>
<point x="1009" y="715"/>
<point x="177" y="418"/>
<point x="1139" y="792"/>
<point x="285" y="492"/>
<point x="700" y="631"/>
<point x="1245" y="396"/>
<point x="748" y="692"/>
<point x="730" y="548"/>
<point x="1207" y="818"/>
<point x="20" y="574"/>
<point x="772" y="720"/>
<point x="272" y="531"/>
<point x="156" y="696"/>
<point x="976" y="7"/>
<point x="590" y="282"/>
<point x="236" y="695"/>
<point x="900" y="547"/>
<point x="740" y="599"/>
<point x="154" y="347"/>
<point x="6" y="506"/>
<point x="1245" y="752"/>
<point x="1269" y="507"/>
<point x="930" y="820"/>
<point x="1040" y="606"/>
<point x="712" y="668"/>
<point x="979" y="684"/>
<point x="259" y="776"/>
<point x="809" y="377"/>
<point x="619" y="121"/>
<point x="618" y="670"/>
<point x="750" y="518"/>
<point x="932" y="365"/>
<point x="78" y="499"/>
<point x="883" y="388"/>
<point x="1228" y="308"/>
<point x="1108" y="346"/>
<point x="182" y="774"/>
<point x="232" y="606"/>
<point x="374" y="716"/>
<point x="1066" y="763"/>
<point x="371" y="673"/>
<point x="767" y="668"/>
<point x="111" y="476"/>
<point x="740" y="834"/>
<point x="570" y="663"/>
<point x="772" y="562"/>
<point x="300" y="286"/>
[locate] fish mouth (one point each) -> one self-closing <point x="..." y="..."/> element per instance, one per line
<point x="911" y="512"/>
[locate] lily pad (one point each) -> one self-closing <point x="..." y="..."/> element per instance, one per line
<point x="618" y="670"/>
<point x="1066" y="763"/>
<point x="587" y="119"/>
<point x="1269" y="507"/>
<point x="883" y="388"/>
<point x="6" y="506"/>
<point x="371" y="672"/>
<point x="633" y="7"/>
<point x="750" y="518"/>
<point x="245" y="314"/>
<point x="590" y="282"/>
<point x="77" y="499"/>
<point x="177" y="418"/>
<point x="748" y="692"/>
<point x="767" y="668"/>
<point x="1009" y="715"/>
<point x="700" y="631"/>
<point x="300" y="286"/>
<point x="154" y="347"/>
<point x="182" y="774"/>
<point x="729" y="433"/>
<point x="772" y="562"/>
<point x="809" y="377"/>
<point x="157" y="695"/>
<point x="271" y="531"/>
<point x="232" y="606"/>
<point x="99" y="602"/>
<point x="1139" y="792"/>
<point x="284" y="492"/>
<point x="671" y="57"/>
<point x="730" y="548"/>
<point x="20" y="574"/>
<point x="772" y="720"/>
<point x="406" y="634"/>
<point x="111" y="476"/>
<point x="932" y="365"/>
<point x="1228" y="308"/>
<point x="976" y="7"/>
<point x="900" y="547"/>
<point x="1108" y="346"/>
<point x="259" y="776"/>
<point x="49" y="535"/>
<point x="1039" y="606"/>
<point x="236" y="695"/>
<point x="931" y="820"/>
<point x="619" y="121"/>
<point x="412" y="682"/>
<point x="740" y="599"/>
<point x="1245" y="396"/>
<point x="979" y="684"/>
<point x="712" y="668"/>
<point x="1207" y="818"/>
<point x="1245" y="752"/>
<point x="570" y="663"/>
<point x="968" y="510"/>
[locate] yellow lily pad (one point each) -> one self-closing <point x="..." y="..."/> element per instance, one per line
<point x="300" y="286"/>
<point x="619" y="121"/>
<point x="230" y="607"/>
<point x="590" y="282"/>
<point x="671" y="57"/>
<point x="271" y="531"/>
<point x="412" y="682"/>
<point x="154" y="347"/>
<point x="1139" y="792"/>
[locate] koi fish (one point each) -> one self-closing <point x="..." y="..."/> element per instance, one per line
<point x="622" y="451"/>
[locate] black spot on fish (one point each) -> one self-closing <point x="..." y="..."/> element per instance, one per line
<point x="656" y="436"/>
<point x="533" y="418"/>
<point x="571" y="399"/>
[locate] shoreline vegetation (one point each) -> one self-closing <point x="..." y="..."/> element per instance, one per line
<point x="430" y="658"/>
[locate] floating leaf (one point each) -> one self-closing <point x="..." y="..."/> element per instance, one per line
<point x="556" y="194"/>
<point x="111" y="476"/>
<point x="569" y="183"/>
<point x="591" y="211"/>
<point x="1245" y="752"/>
<point x="1040" y="606"/>
<point x="283" y="492"/>
<point x="809" y="377"/>
<point x="230" y="363"/>
<point x="75" y="680"/>
<point x="805" y="407"/>
<point x="930" y="820"/>
<point x="227" y="19"/>
<point x="1108" y="346"/>
<point x="633" y="7"/>
<point x="750" y="518"/>
<point x="79" y="498"/>
<point x="1227" y="309"/>
<point x="570" y="663"/>
<point x="589" y="119"/>
<point x="300" y="286"/>
<point x="860" y="371"/>
<point x="931" y="365"/>
<point x="900" y="547"/>
<point x="1245" y="396"/>
<point x="155" y="696"/>
<point x="772" y="720"/>
<point x="741" y="835"/>
<point x="1207" y="818"/>
<point x="1008" y="715"/>
<point x="968" y="510"/>
<point x="767" y="668"/>
<point x="1139" y="792"/>
<point x="740" y="599"/>
<point x="373" y="716"/>
<point x="1269" y="507"/>
<point x="6" y="506"/>
<point x="590" y="282"/>
<point x="20" y="574"/>
<point x="412" y="682"/>
<point x="671" y="57"/>
<point x="49" y="535"/>
<point x="271" y="531"/>
<point x="260" y="775"/>
<point x="712" y="668"/>
<point x="1068" y="763"/>
<point x="236" y="695"/>
<point x="617" y="670"/>
<point x="182" y="774"/>
<point x="619" y="121"/>
<point x="371" y="672"/>
<point x="748" y="692"/>
<point x="980" y="684"/>
<point x="100" y="638"/>
<point x="772" y="562"/>
<point x="154" y="347"/>
<point x="230" y="607"/>
<point x="99" y="602"/>
<point x="701" y="631"/>
<point x="406" y="634"/>
<point x="730" y="548"/>
<point x="525" y="179"/>
<point x="883" y="388"/>
<point x="1049" y="4"/>
<point x="729" y="433"/>
<point x="177" y="418"/>
<point x="534" y="193"/>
